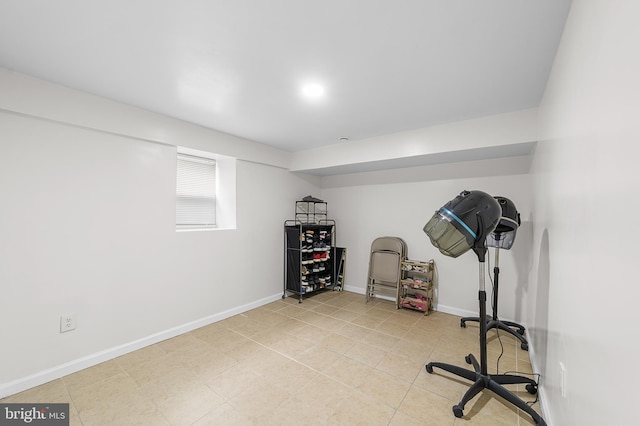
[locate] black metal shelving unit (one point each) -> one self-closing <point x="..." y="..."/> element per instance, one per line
<point x="312" y="262"/>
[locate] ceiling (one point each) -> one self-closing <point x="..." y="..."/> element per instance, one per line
<point x="238" y="65"/>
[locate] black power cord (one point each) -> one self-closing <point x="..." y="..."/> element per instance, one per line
<point x="536" y="375"/>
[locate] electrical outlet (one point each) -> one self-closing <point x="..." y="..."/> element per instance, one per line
<point x="563" y="380"/>
<point x="67" y="323"/>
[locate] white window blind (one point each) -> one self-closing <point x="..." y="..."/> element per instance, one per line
<point x="195" y="192"/>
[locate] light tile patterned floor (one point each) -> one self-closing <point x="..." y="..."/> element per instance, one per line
<point x="332" y="360"/>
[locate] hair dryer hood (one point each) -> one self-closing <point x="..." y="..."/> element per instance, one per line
<point x="463" y="223"/>
<point x="505" y="233"/>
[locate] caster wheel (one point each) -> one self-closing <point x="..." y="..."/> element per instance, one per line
<point x="463" y="324"/>
<point x="524" y="346"/>
<point x="457" y="411"/>
<point x="429" y="368"/>
<point x="532" y="389"/>
<point x="468" y="359"/>
<point x="283" y="296"/>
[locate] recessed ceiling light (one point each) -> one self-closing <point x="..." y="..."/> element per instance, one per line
<point x="343" y="139"/>
<point x="313" y="91"/>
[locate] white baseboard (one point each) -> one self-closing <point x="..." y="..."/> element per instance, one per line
<point x="42" y="377"/>
<point x="455" y="311"/>
<point x="353" y="289"/>
<point x="542" y="397"/>
<point x="438" y="307"/>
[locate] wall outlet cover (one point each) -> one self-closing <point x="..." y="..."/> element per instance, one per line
<point x="67" y="323"/>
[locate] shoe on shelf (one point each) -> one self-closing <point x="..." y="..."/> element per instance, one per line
<point x="311" y="199"/>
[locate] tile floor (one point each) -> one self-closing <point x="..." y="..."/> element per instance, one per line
<point x="332" y="360"/>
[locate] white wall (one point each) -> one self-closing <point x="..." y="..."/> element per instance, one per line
<point x="87" y="226"/>
<point x="364" y="212"/>
<point x="585" y="209"/>
<point x="30" y="96"/>
<point x="460" y="140"/>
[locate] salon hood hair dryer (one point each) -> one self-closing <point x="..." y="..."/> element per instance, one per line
<point x="464" y="224"/>
<point x="502" y="238"/>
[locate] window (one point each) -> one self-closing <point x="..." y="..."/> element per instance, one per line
<point x="195" y="192"/>
<point x="205" y="190"/>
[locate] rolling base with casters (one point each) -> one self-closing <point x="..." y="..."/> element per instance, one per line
<point x="493" y="383"/>
<point x="507" y="326"/>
